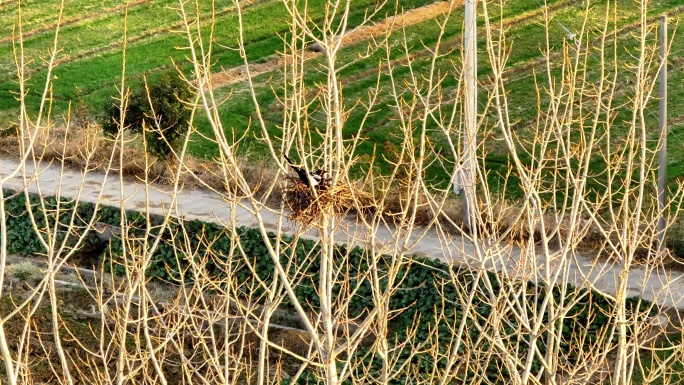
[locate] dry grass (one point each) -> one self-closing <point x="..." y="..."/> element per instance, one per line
<point x="85" y="147"/>
<point x="309" y="205"/>
<point x="79" y="147"/>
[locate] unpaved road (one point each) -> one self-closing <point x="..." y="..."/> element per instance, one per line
<point x="658" y="286"/>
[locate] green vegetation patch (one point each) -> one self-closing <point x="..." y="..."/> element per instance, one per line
<point x="428" y="304"/>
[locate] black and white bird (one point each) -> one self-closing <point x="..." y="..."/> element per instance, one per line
<point x="318" y="178"/>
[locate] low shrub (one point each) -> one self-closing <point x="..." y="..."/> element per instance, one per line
<point x="159" y="111"/>
<point x="23" y="271"/>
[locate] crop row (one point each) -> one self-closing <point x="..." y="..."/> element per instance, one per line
<point x="527" y="39"/>
<point x="36" y="14"/>
<point x="91" y="58"/>
<point x="94" y="70"/>
<point x="429" y="303"/>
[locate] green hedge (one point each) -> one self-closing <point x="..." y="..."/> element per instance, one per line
<point x="429" y="298"/>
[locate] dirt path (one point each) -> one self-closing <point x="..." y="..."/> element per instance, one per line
<point x="412" y="17"/>
<point x="579" y="269"/>
<point x="356" y="35"/>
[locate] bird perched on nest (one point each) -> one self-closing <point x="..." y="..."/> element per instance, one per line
<point x="318" y="178"/>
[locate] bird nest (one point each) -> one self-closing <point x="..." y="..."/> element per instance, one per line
<point x="308" y="205"/>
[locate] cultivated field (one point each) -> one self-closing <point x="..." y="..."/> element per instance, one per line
<point x="89" y="65"/>
<point x="553" y="280"/>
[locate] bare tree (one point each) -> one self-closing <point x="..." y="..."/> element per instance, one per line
<point x="337" y="283"/>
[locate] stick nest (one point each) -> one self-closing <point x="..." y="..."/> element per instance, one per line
<point x="309" y="206"/>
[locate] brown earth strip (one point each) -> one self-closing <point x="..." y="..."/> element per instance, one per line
<point x="365" y="32"/>
<point x="356" y="35"/>
<point x="521" y="69"/>
<point x="456" y="41"/>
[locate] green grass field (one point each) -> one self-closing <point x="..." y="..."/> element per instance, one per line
<point x="90" y="42"/>
<point x="90" y="66"/>
<point x="527" y="36"/>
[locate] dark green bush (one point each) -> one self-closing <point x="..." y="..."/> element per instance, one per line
<point x="160" y="114"/>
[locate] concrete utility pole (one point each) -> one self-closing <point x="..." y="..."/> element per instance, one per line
<point x="469" y="162"/>
<point x="662" y="123"/>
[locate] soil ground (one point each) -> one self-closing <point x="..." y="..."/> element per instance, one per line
<point x="364" y="32"/>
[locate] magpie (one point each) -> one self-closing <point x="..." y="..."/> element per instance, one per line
<point x="313" y="179"/>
